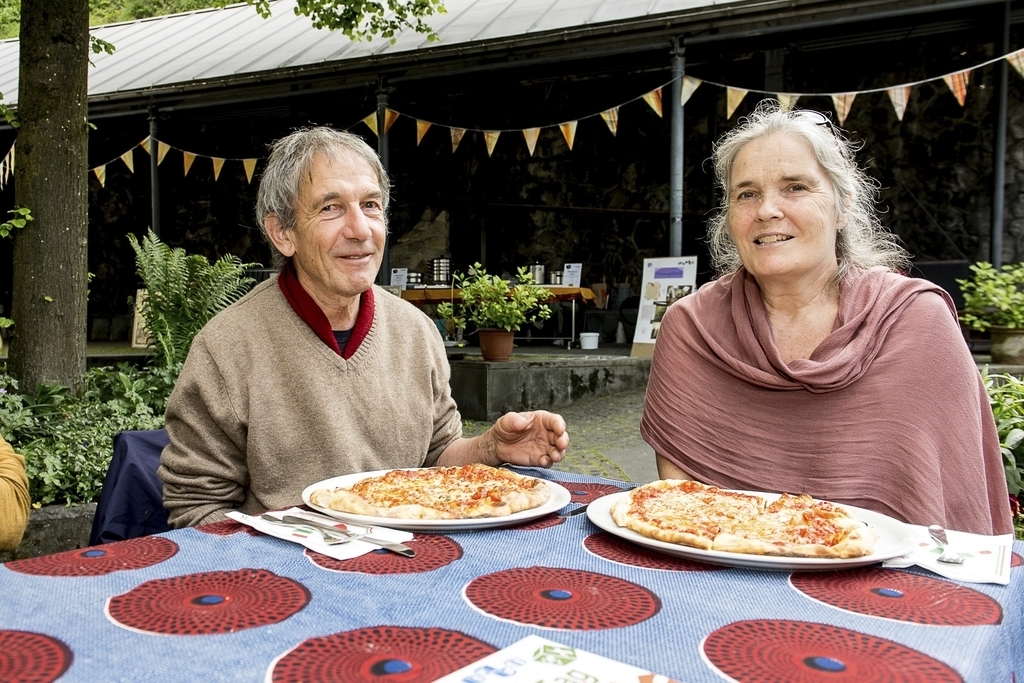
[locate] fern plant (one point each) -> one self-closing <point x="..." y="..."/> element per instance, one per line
<point x="182" y="293"/>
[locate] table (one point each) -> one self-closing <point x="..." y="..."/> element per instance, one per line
<point x="225" y="603"/>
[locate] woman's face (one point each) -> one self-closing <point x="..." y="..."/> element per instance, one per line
<point x="782" y="213"/>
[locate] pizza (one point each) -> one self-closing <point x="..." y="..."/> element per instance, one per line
<point x="466" y="492"/>
<point x="693" y="514"/>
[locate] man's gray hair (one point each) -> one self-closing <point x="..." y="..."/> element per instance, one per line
<point x="291" y="161"/>
<point x="862" y="242"/>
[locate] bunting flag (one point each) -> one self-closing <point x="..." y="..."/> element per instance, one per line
<point x="145" y="146"/>
<point x="250" y="166"/>
<point x="569" y="131"/>
<point x="217" y="165"/>
<point x="101" y="174"/>
<point x="389" y="119"/>
<point x="899" y="97"/>
<point x="129" y="159"/>
<point x="371" y="122"/>
<point x="958" y="84"/>
<point x="531" y="135"/>
<point x="842" y="103"/>
<point x="491" y="138"/>
<point x="161" y="151"/>
<point x="457" y="134"/>
<point x="1016" y="60"/>
<point x="611" y="119"/>
<point x="189" y="158"/>
<point x="689" y="85"/>
<point x="6" y="167"/>
<point x="421" y="129"/>
<point x="733" y="97"/>
<point x="787" y="101"/>
<point x="652" y="98"/>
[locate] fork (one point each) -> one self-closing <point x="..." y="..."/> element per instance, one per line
<point x="938" y="534"/>
<point x="330" y="538"/>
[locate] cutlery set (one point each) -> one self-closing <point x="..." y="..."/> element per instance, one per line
<point x="333" y="534"/>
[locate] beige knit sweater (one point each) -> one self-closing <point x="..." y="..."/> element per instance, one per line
<point x="263" y="408"/>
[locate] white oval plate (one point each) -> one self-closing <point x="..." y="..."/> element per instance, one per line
<point x="894" y="539"/>
<point x="560" y="497"/>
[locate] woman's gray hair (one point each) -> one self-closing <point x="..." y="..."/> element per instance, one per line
<point x="862" y="242"/>
<point x="291" y="160"/>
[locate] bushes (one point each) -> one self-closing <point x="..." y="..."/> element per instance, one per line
<point x="1006" y="395"/>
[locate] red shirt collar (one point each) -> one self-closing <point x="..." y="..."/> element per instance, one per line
<point x="311" y="313"/>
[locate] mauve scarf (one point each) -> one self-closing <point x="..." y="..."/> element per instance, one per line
<point x="889" y="413"/>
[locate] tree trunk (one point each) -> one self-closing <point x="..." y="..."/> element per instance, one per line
<point x="51" y="179"/>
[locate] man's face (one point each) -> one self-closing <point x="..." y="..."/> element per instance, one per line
<point x="338" y="240"/>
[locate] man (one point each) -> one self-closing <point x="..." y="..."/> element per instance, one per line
<point x="317" y="373"/>
<point x="14" y="501"/>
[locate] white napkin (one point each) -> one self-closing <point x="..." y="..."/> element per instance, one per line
<point x="314" y="541"/>
<point x="986" y="558"/>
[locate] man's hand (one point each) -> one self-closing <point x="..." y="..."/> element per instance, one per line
<point x="534" y="439"/>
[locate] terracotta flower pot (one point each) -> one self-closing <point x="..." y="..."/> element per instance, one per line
<point x="1007" y="346"/>
<point x="495" y="345"/>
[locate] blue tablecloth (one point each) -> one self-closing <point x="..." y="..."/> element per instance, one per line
<point x="225" y="603"/>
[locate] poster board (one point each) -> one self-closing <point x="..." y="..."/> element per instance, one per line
<point x="665" y="281"/>
<point x="140" y="335"/>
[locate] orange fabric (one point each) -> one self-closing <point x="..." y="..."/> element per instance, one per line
<point x="14" y="501"/>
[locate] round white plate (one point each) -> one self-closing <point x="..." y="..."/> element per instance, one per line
<point x="560" y="497"/>
<point x="894" y="539"/>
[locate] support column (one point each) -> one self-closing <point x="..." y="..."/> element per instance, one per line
<point x="384" y="274"/>
<point x="154" y="177"/>
<point x="999" y="153"/>
<point x="676" y="162"/>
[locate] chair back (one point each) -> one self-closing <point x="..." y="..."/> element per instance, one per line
<point x="131" y="500"/>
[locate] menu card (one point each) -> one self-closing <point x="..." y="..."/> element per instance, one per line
<point x="539" y="660"/>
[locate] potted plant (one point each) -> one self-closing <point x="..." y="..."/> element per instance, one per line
<point x="994" y="301"/>
<point x="496" y="306"/>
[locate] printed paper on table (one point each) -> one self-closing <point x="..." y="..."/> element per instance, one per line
<point x="665" y="281"/>
<point x="571" y="274"/>
<point x="399" y="277"/>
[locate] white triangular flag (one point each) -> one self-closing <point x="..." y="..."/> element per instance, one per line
<point x="531" y="135"/>
<point x="689" y="85"/>
<point x="899" y="96"/>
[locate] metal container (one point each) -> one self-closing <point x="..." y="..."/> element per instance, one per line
<point x="537" y="271"/>
<point x="441" y="270"/>
<point x="413" y="278"/>
<point x="554" y="278"/>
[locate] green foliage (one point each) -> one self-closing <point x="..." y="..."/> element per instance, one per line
<point x="67" y="440"/>
<point x="360" y="19"/>
<point x="1006" y="395"/>
<point x="488" y="301"/>
<point x="182" y="293"/>
<point x="993" y="298"/>
<point x="22" y="217"/>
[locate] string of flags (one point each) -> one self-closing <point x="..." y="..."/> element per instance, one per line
<point x="899" y="96"/>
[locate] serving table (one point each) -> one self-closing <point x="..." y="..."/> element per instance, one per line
<point x="226" y="603"/>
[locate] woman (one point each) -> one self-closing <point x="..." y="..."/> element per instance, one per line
<point x="14" y="502"/>
<point x="810" y="366"/>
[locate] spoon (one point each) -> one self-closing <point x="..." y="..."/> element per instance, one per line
<point x="938" y="534"/>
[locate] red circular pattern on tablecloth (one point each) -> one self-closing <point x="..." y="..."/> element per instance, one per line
<point x="208" y="603"/>
<point x="900" y="595"/>
<point x="798" y="652"/>
<point x="97" y="560"/>
<point x="614" y="549"/>
<point x="391" y="654"/>
<point x="545" y="522"/>
<point x="433" y="551"/>
<point x="1016" y="560"/>
<point x="227" y="527"/>
<point x="588" y="493"/>
<point x="568" y="599"/>
<point x="27" y="657"/>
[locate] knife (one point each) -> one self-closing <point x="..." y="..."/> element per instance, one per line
<point x="340" y="527"/>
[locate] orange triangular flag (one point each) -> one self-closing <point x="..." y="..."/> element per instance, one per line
<point x="1016" y="59"/>
<point x="842" y="103"/>
<point x="101" y="174"/>
<point x="145" y="145"/>
<point x="129" y="160"/>
<point x="733" y="97"/>
<point x="421" y="129"/>
<point x="389" y="119"/>
<point x="491" y="138"/>
<point x="531" y="135"/>
<point x="899" y="96"/>
<point x="569" y="131"/>
<point x="250" y="166"/>
<point x="689" y="85"/>
<point x="611" y="118"/>
<point x="958" y="84"/>
<point x="189" y="158"/>
<point x="652" y="98"/>
<point x="371" y="122"/>
<point x="217" y="165"/>
<point x="786" y="100"/>
<point x="161" y="151"/>
<point x="457" y="134"/>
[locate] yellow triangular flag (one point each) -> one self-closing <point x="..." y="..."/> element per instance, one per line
<point x="389" y="119"/>
<point x="491" y="138"/>
<point x="189" y="158"/>
<point x="457" y="134"/>
<point x="569" y="132"/>
<point x="899" y="96"/>
<point x="531" y="135"/>
<point x="1016" y="60"/>
<point x="161" y="151"/>
<point x="733" y="97"/>
<point x="371" y="122"/>
<point x="786" y="100"/>
<point x="842" y="103"/>
<point x="421" y="129"/>
<point x="217" y="165"/>
<point x="101" y="174"/>
<point x="145" y="145"/>
<point x="611" y="118"/>
<point x="129" y="159"/>
<point x="958" y="84"/>
<point x="652" y="98"/>
<point x="689" y="85"/>
<point x="250" y="166"/>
